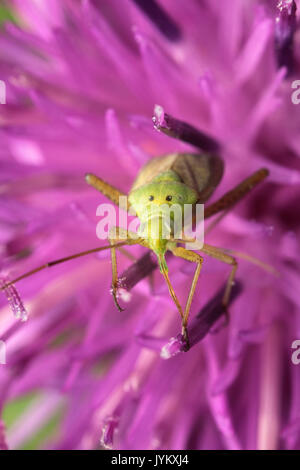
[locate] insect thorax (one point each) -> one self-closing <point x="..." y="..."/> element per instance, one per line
<point x="160" y="206"/>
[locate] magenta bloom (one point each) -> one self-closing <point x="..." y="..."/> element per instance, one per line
<point x="82" y="80"/>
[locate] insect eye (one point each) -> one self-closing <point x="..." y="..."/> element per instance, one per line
<point x="169" y="198"/>
<point x="151" y="198"/>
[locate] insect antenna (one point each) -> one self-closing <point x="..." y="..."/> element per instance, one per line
<point x="59" y="261"/>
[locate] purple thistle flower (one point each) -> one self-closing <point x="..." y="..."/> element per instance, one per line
<point x="183" y="131"/>
<point x="81" y="85"/>
<point x="160" y="18"/>
<point x="285" y="27"/>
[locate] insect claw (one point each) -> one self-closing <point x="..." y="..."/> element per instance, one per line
<point x="117" y="304"/>
<point x="114" y="294"/>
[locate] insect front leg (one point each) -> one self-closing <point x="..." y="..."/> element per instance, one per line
<point x="194" y="258"/>
<point x="219" y="254"/>
<point x="164" y="272"/>
<point x="117" y="234"/>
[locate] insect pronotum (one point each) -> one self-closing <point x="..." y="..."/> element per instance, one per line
<point x="183" y="178"/>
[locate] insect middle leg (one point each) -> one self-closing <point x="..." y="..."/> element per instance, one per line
<point x="219" y="254"/>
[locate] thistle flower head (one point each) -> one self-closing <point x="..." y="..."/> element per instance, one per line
<point x="82" y="80"/>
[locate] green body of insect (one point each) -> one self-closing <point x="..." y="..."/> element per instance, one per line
<point x="175" y="180"/>
<point x="180" y="179"/>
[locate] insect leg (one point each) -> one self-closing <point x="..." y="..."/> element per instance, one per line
<point x="194" y="258"/>
<point x="130" y="239"/>
<point x="219" y="254"/>
<point x="236" y="194"/>
<point x="171" y="290"/>
<point x="114" y="283"/>
<point x="107" y="189"/>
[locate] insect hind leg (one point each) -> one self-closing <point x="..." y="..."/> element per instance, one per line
<point x="109" y="191"/>
<point x="232" y="197"/>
